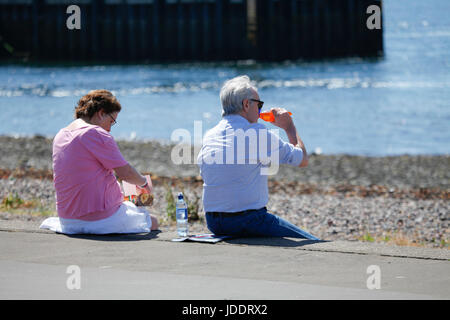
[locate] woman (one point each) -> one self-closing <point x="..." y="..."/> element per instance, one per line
<point x="85" y="157"/>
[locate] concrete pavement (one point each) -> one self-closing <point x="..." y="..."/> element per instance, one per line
<point x="36" y="264"/>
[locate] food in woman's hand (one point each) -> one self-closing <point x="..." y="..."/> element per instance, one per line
<point x="144" y="199"/>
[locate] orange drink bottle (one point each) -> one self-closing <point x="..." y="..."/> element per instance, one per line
<point x="268" y="116"/>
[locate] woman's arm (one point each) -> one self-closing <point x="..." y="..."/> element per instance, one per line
<point x="129" y="174"/>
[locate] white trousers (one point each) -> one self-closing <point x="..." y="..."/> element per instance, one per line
<point x="127" y="219"/>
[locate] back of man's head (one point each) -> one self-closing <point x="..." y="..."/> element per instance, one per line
<point x="233" y="92"/>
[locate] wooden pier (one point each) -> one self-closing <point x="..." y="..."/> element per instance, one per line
<point x="187" y="30"/>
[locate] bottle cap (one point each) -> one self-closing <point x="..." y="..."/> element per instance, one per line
<point x="180" y="195"/>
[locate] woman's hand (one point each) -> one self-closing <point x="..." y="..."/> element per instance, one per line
<point x="130" y="175"/>
<point x="146" y="189"/>
<point x="145" y="197"/>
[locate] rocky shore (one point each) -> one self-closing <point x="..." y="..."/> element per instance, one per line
<point x="402" y="200"/>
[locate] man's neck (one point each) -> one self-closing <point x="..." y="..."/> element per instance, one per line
<point x="244" y="115"/>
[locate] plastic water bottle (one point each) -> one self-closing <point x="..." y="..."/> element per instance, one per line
<point x="182" y="216"/>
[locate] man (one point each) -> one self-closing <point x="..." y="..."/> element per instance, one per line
<point x="235" y="159"/>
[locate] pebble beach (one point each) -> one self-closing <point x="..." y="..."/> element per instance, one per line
<point x="402" y="200"/>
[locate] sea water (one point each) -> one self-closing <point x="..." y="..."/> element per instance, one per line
<point x="399" y="104"/>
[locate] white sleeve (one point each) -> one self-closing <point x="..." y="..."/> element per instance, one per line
<point x="283" y="152"/>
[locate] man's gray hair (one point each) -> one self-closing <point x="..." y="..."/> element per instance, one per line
<point x="233" y="92"/>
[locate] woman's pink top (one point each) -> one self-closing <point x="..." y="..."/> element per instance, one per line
<point x="86" y="187"/>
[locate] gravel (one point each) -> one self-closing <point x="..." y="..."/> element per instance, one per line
<point x="402" y="200"/>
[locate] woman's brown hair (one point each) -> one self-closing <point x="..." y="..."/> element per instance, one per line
<point x="94" y="101"/>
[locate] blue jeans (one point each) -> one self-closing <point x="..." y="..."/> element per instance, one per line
<point x="254" y="223"/>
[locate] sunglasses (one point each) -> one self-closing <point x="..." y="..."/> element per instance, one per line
<point x="260" y="103"/>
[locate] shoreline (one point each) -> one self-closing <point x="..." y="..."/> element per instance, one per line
<point x="402" y="200"/>
<point x="406" y="171"/>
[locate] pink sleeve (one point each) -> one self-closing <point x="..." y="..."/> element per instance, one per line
<point x="103" y="147"/>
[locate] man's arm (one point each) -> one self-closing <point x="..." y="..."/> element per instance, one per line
<point x="284" y="121"/>
<point x="294" y="139"/>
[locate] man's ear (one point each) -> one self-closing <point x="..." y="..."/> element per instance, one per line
<point x="245" y="105"/>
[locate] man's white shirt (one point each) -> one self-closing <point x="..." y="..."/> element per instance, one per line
<point x="235" y="159"/>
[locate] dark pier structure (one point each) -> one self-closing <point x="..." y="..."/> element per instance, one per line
<point x="187" y="30"/>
